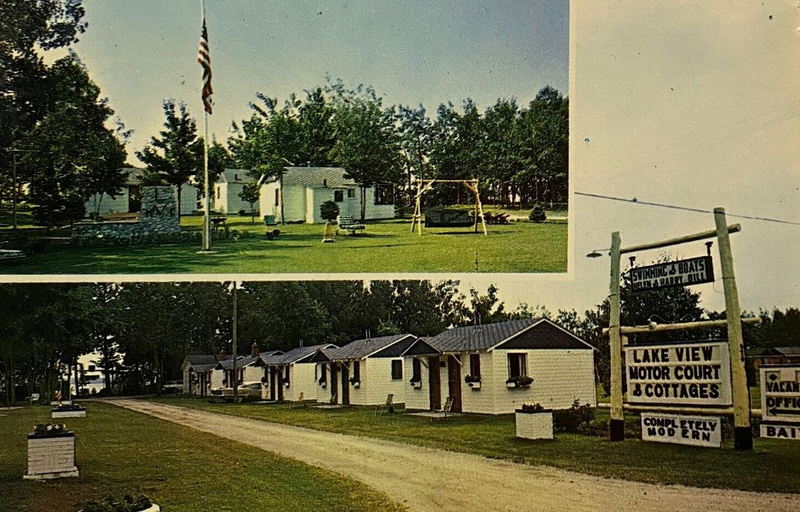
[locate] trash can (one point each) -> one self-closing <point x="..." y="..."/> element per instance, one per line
<point x="269" y="220"/>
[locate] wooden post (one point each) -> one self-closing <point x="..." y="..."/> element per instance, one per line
<point x="616" y="425"/>
<point x="743" y="433"/>
<point x="235" y="321"/>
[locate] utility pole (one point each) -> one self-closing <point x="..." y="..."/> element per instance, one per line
<point x="234" y="340"/>
<point x="616" y="425"/>
<point x="743" y="432"/>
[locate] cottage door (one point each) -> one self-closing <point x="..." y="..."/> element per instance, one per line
<point x="334" y="380"/>
<point x="345" y="385"/>
<point x="434" y="383"/>
<point x="454" y="382"/>
<point x="273" y="383"/>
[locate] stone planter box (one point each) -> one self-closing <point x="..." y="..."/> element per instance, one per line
<point x="51" y="456"/>
<point x="534" y="424"/>
<point x="68" y="413"/>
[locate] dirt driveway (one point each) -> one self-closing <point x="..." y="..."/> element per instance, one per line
<point x="430" y="479"/>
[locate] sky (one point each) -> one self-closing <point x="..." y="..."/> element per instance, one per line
<point x="411" y="51"/>
<point x="674" y="101"/>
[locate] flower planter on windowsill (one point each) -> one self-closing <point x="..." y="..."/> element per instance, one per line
<point x="323" y="385"/>
<point x="416" y="384"/>
<point x="519" y="382"/>
<point x="476" y="386"/>
<point x="532" y="424"/>
<point x="356" y="384"/>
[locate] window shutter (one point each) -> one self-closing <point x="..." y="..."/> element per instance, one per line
<point x="475" y="365"/>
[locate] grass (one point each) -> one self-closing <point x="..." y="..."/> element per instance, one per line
<point x="120" y="451"/>
<point x="773" y="466"/>
<point x="385" y="246"/>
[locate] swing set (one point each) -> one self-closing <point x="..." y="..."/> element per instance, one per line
<point x="425" y="185"/>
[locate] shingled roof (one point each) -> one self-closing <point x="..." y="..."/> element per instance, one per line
<point x="363" y="348"/>
<point x="317" y="177"/>
<point x="297" y="354"/>
<point x="527" y="333"/>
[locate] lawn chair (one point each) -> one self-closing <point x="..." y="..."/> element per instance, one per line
<point x="300" y="401"/>
<point x="333" y="399"/>
<point x="348" y="223"/>
<point x="33" y="398"/>
<point x="387" y="407"/>
<point x="447" y="409"/>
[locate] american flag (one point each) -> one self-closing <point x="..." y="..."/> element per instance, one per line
<point x="204" y="58"/>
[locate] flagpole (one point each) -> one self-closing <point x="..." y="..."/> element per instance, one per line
<point x="206" y="193"/>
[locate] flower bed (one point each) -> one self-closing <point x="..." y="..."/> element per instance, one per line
<point x="51" y="453"/>
<point x="125" y="504"/>
<point x="534" y="422"/>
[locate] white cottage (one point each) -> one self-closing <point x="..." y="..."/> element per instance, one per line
<point x="229" y="185"/>
<point x="196" y="369"/>
<point x="297" y="195"/>
<point x="288" y="375"/>
<point x="364" y="372"/>
<point x="129" y="198"/>
<point x="495" y="368"/>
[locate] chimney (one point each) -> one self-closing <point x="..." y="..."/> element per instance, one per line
<point x="254" y="349"/>
<point x="222" y="355"/>
<point x="301" y="342"/>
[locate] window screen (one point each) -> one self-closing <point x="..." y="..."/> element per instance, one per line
<point x="397" y="369"/>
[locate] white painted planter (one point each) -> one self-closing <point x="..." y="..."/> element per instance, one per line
<point x="152" y="508"/>
<point x="416" y="384"/>
<point x="534" y="424"/>
<point x="476" y="386"/>
<point x="357" y="384"/>
<point x="51" y="457"/>
<point x="68" y="414"/>
<point x="323" y="385"/>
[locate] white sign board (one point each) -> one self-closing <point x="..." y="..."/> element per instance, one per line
<point x="780" y="393"/>
<point x="679" y="429"/>
<point x="694" y="373"/>
<point x="780" y="431"/>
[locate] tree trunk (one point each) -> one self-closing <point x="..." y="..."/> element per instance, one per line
<point x="178" y="201"/>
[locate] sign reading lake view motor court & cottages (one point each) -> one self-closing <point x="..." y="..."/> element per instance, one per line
<point x="679" y="429"/>
<point x="780" y="402"/>
<point x="693" y="373"/>
<point x="672" y="273"/>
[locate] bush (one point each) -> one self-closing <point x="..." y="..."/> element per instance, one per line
<point x="329" y="210"/>
<point x="575" y="420"/>
<point x="125" y="504"/>
<point x="537" y="214"/>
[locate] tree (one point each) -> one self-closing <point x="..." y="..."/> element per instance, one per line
<point x="177" y="153"/>
<point x="75" y="156"/>
<point x="329" y="210"/>
<point x="416" y="137"/>
<point x="250" y="194"/>
<point x="367" y="145"/>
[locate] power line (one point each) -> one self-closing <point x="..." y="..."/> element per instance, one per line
<point x="684" y="208"/>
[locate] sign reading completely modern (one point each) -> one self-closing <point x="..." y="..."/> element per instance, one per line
<point x="672" y="273"/>
<point x="687" y="373"/>
<point x="780" y="402"/>
<point x="680" y="429"/>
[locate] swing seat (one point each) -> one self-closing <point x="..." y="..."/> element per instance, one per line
<point x="448" y="218"/>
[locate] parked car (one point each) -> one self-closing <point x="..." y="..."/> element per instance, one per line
<point x="246" y="391"/>
<point x="172" y="386"/>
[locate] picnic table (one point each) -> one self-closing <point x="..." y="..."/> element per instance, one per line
<point x="218" y="223"/>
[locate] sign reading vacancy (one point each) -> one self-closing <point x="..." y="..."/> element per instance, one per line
<point x="672" y="273"/>
<point x="780" y="393"/>
<point x="695" y="373"/>
<point x="680" y="429"/>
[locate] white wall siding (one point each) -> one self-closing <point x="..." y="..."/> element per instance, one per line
<point x="216" y="378"/>
<point x="294" y="207"/>
<point x="266" y="200"/>
<point x="359" y="395"/>
<point x="419" y="399"/>
<point x="301" y="380"/>
<point x="374" y="211"/>
<point x="323" y="394"/>
<point x="483" y="399"/>
<point x="381" y="383"/>
<point x="253" y="373"/>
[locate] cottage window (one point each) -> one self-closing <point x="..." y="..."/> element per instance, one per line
<point x="218" y="192"/>
<point x="517" y="365"/>
<point x="338" y="196"/>
<point x="357" y="371"/>
<point x="277" y="197"/>
<point x="475" y="365"/>
<point x="397" y="369"/>
<point x="323" y="369"/>
<point x="351" y="192"/>
<point x="416" y="370"/>
<point x="384" y="193"/>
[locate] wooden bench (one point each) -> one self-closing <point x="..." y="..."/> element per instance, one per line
<point x="348" y="223"/>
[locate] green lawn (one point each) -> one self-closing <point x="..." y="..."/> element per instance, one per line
<point x="385" y="246"/>
<point x="772" y="466"/>
<point x="120" y="451"/>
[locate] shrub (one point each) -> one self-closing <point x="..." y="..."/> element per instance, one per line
<point x="532" y="407"/>
<point x="329" y="210"/>
<point x="575" y="420"/>
<point x="537" y="214"/>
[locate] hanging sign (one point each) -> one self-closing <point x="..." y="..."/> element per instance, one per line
<point x="780" y="393"/>
<point x="687" y="373"/>
<point x="680" y="429"/>
<point x="671" y="273"/>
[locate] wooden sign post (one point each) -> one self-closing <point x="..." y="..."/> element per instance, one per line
<point x="743" y="438"/>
